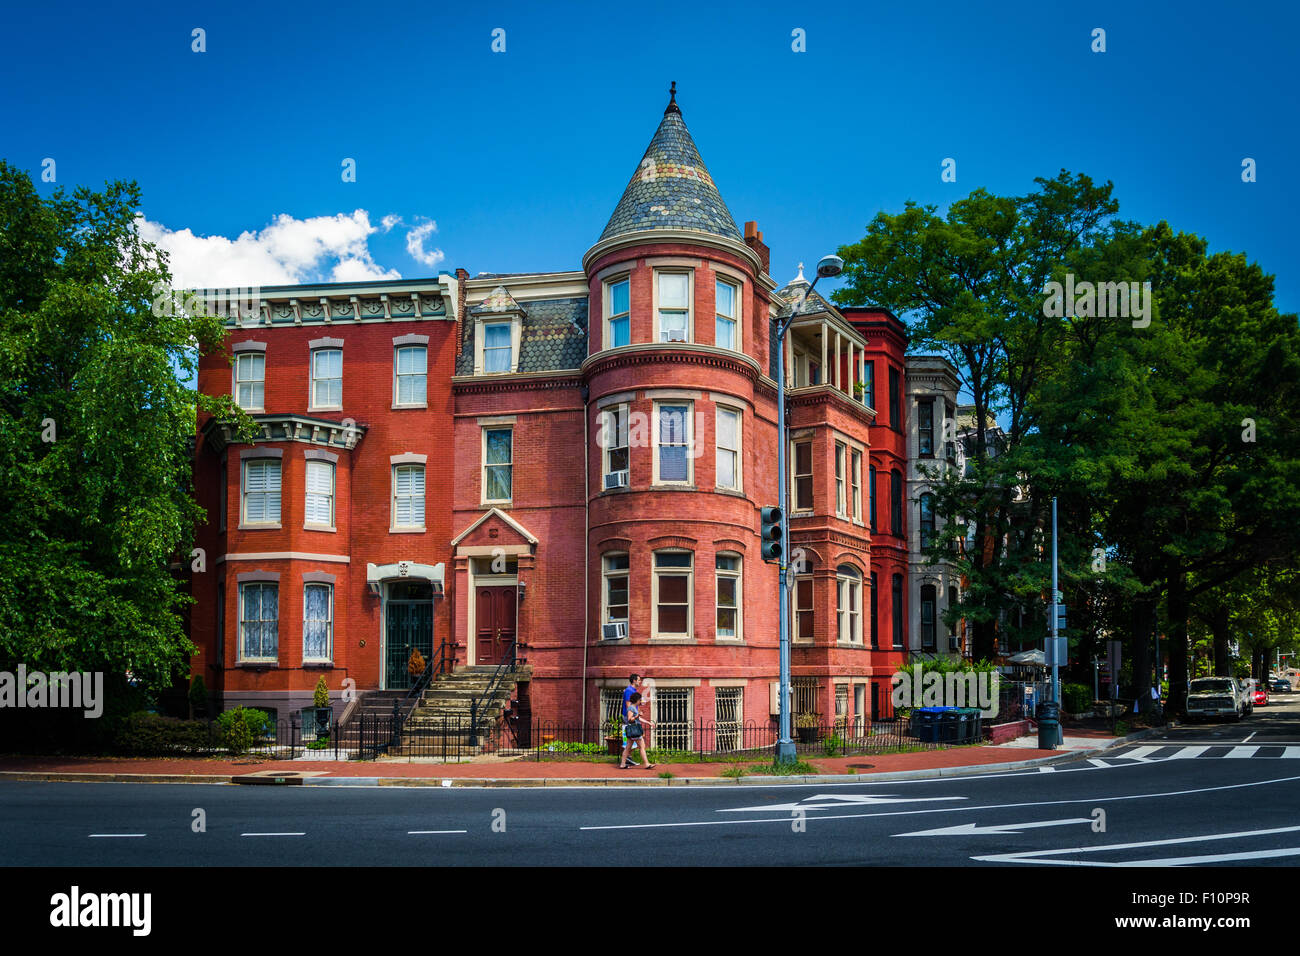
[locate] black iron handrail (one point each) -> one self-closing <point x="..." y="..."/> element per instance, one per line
<point x="507" y="666"/>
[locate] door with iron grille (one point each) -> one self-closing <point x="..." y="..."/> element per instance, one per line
<point x="408" y="627"/>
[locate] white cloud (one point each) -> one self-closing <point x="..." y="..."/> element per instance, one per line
<point x="389" y="221"/>
<point x="415" y="244"/>
<point x="286" y="252"/>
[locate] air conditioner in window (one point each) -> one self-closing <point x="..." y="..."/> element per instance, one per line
<point x="616" y="479"/>
<point x="614" y="632"/>
<point x="675" y="335"/>
<point x="774" y="698"/>
<point x="954" y="644"/>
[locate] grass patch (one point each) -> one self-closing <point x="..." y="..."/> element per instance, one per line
<point x="733" y="772"/>
<point x="665" y="775"/>
<point x="792" y="769"/>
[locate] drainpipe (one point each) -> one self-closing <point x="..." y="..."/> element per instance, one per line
<point x="586" y="554"/>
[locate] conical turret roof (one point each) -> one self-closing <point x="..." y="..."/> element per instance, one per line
<point x="671" y="187"/>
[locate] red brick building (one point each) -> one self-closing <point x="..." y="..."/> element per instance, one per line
<point x="563" y="466"/>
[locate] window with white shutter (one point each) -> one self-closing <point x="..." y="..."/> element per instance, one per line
<point x="408" y="496"/>
<point x="262" y="491"/>
<point x="319" y="509"/>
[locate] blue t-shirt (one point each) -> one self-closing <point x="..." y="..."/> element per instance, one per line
<point x="628" y="691"/>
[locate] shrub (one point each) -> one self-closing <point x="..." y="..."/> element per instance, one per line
<point x="1076" y="698"/>
<point x="198" y="696"/>
<point x="241" y="726"/>
<point x="321" y="698"/>
<point x="146" y="734"/>
<point x="832" y="745"/>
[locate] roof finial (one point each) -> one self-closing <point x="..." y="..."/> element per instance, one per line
<point x="799" y="277"/>
<point x="672" y="101"/>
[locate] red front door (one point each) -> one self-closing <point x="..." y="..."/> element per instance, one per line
<point x="494" y="624"/>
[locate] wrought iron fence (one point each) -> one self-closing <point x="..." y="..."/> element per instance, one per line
<point x="454" y="739"/>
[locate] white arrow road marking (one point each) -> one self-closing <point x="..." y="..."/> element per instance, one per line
<point x="842" y="801"/>
<point x="974" y="828"/>
<point x="1094" y="801"/>
<point x="1040" y="856"/>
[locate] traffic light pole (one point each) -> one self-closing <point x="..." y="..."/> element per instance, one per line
<point x="785" y="752"/>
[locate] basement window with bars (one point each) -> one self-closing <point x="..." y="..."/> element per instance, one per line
<point x="611" y="707"/>
<point x="728" y="716"/>
<point x="672" y="717"/>
<point x="804" y="691"/>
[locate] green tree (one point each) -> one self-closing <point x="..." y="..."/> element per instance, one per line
<point x="97" y="517"/>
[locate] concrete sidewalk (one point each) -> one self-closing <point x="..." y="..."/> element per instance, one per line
<point x="522" y="772"/>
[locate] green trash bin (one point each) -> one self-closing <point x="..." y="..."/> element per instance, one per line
<point x="972" y="726"/>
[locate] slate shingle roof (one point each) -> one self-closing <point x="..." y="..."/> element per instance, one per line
<point x="671" y="188"/>
<point x="548" y="339"/>
<point x="790" y="293"/>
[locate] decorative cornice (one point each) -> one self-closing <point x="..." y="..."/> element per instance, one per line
<point x="480" y="385"/>
<point x="824" y="395"/>
<point x="295" y="428"/>
<point x="670" y="237"/>
<point x="675" y="353"/>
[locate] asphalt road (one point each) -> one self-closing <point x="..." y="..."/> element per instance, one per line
<point x="1211" y="794"/>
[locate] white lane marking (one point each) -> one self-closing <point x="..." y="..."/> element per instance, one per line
<point x="1241" y="753"/>
<point x="1039" y="856"/>
<point x="842" y="801"/>
<point x="964" y="829"/>
<point x="1047" y="770"/>
<point x="1139" y="754"/>
<point x="1188" y="753"/>
<point x="1292" y="752"/>
<point x="271" y="834"/>
<point x="1097" y="762"/>
<point x="101" y="836"/>
<point x="415" y="832"/>
<point x="1248" y="736"/>
<point x="904" y="813"/>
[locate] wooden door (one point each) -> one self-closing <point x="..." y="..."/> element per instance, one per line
<point x="494" y="623"/>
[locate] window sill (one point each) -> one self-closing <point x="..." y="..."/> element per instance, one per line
<point x="730" y="641"/>
<point x="419" y="530"/>
<point x="853" y="644"/>
<point x="324" y="408"/>
<point x="398" y="408"/>
<point x="258" y="665"/>
<point x="330" y="529"/>
<point x="260" y="527"/>
<point x="734" y="492"/>
<point x="507" y="503"/>
<point x="672" y="486"/>
<point x="672" y="640"/>
<point x="307" y="665"/>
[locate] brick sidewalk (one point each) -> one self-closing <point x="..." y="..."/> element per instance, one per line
<point x="492" y="769"/>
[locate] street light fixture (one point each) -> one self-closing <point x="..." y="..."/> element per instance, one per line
<point x="827" y="268"/>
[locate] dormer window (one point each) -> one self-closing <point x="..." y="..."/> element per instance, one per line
<point x="497" y="347"/>
<point x="674" y="306"/>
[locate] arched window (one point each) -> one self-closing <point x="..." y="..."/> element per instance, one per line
<point x="928" y="614"/>
<point x="927" y="520"/>
<point x="848" y="605"/>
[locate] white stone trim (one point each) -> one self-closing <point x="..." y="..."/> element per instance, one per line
<point x="248" y="346"/>
<point x="284" y="556"/>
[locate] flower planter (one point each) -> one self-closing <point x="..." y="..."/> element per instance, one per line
<point x="806" y="735"/>
<point x="322" y="721"/>
<point x="614" y="745"/>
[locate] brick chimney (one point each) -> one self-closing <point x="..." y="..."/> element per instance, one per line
<point x="754" y="239"/>
<point x="461" y="276"/>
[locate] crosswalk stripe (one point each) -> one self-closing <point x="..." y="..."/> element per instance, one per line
<point x="1291" y="752"/>
<point x="1186" y="753"/>
<point x="1138" y="753"/>
<point x="1241" y="752"/>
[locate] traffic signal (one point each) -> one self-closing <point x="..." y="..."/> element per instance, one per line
<point x="770" y="534"/>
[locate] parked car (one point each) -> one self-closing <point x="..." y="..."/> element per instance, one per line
<point x="1261" y="695"/>
<point x="1215" y="697"/>
<point x="1281" y="685"/>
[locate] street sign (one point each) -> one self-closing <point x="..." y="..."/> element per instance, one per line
<point x="1060" y="617"/>
<point x="1113" y="654"/>
<point x="1057" y="652"/>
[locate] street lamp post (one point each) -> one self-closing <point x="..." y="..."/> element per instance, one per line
<point x="829" y="267"/>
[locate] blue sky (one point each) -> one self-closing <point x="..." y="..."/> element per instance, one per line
<point x="519" y="157"/>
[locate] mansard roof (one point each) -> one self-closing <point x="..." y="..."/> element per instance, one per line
<point x="671" y="188"/>
<point x="552" y="335"/>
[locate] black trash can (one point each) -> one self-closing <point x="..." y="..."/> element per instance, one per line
<point x="974" y="726"/>
<point x="924" y="724"/>
<point x="1049" y="725"/>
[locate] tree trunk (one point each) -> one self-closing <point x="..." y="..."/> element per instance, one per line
<point x="1177" y="638"/>
<point x="1219" y="626"/>
<point x="1144" y="613"/>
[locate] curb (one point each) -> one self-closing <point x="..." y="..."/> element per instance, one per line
<point x="507" y="782"/>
